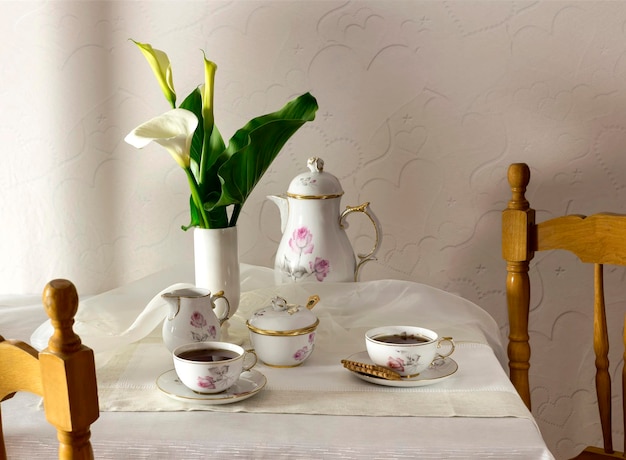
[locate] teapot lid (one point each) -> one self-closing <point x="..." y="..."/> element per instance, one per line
<point x="315" y="183"/>
<point x="282" y="317"/>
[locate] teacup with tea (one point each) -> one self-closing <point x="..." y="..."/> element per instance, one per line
<point x="211" y="367"/>
<point x="408" y="350"/>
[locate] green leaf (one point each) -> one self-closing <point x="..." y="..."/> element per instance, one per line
<point x="196" y="220"/>
<point x="253" y="148"/>
<point x="217" y="218"/>
<point x="201" y="151"/>
<point x="206" y="152"/>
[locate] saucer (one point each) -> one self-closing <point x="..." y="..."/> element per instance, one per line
<point x="436" y="373"/>
<point x="249" y="384"/>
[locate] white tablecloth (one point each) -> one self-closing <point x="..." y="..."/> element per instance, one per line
<point x="473" y="414"/>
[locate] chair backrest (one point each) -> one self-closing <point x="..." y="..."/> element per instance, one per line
<point x="598" y="239"/>
<point x="63" y="374"/>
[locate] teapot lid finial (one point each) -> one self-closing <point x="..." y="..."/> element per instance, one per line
<point x="315" y="164"/>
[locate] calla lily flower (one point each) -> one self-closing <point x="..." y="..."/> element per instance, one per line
<point x="220" y="176"/>
<point x="173" y="130"/>
<point x="160" y="65"/>
<point x="207" y="94"/>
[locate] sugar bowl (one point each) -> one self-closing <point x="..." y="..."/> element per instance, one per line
<point x="283" y="334"/>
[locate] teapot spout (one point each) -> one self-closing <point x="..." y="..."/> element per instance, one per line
<point x="283" y="207"/>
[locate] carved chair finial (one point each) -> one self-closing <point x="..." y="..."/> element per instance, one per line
<point x="519" y="177"/>
<point x="60" y="300"/>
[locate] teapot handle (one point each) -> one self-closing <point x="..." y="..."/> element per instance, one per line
<point x="220" y="295"/>
<point x="364" y="208"/>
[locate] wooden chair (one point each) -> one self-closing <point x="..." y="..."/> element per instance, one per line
<point x="598" y="239"/>
<point x="63" y="374"/>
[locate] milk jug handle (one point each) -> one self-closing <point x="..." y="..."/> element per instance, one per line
<point x="220" y="295"/>
<point x="364" y="208"/>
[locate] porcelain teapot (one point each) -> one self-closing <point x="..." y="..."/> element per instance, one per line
<point x="314" y="245"/>
<point x="191" y="317"/>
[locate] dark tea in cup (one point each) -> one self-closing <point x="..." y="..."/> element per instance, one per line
<point x="402" y="338"/>
<point x="208" y="355"/>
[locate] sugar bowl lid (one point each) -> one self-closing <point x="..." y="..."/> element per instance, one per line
<point x="315" y="183"/>
<point x="282" y="318"/>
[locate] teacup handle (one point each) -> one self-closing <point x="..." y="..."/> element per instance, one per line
<point x="249" y="354"/>
<point x="220" y="295"/>
<point x="452" y="346"/>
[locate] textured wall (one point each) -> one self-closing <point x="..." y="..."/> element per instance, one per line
<point x="423" y="105"/>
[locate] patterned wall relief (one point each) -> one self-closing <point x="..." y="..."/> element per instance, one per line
<point x="423" y="105"/>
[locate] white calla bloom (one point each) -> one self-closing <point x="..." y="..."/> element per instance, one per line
<point x="173" y="130"/>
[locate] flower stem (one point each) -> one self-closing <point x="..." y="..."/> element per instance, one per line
<point x="193" y="186"/>
<point x="235" y="215"/>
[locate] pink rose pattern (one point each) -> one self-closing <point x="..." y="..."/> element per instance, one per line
<point x="198" y="321"/>
<point x="397" y="364"/>
<point x="400" y="365"/>
<point x="321" y="268"/>
<point x="206" y="382"/>
<point x="219" y="377"/>
<point x="301" y="243"/>
<point x="305" y="351"/>
<point x="301" y="354"/>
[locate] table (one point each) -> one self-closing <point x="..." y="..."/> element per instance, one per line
<point x="473" y="414"/>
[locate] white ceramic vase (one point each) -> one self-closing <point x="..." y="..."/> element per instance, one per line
<point x="216" y="257"/>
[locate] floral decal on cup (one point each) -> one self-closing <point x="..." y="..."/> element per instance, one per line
<point x="206" y="382"/>
<point x="301" y="243"/>
<point x="219" y="377"/>
<point x="397" y="364"/>
<point x="198" y="321"/>
<point x="401" y="365"/>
